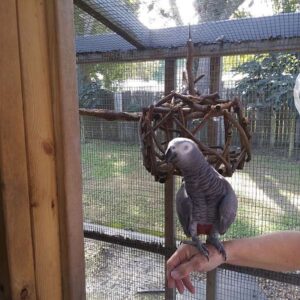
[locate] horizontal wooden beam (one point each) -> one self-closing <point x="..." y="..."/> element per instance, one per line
<point x="154" y="244"/>
<point x="218" y="49"/>
<point x="126" y="238"/>
<point x="110" y="115"/>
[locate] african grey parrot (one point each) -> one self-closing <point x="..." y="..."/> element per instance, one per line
<point x="205" y="202"/>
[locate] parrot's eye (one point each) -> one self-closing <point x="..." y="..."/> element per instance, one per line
<point x="185" y="147"/>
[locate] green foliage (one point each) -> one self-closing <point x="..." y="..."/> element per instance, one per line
<point x="232" y="60"/>
<point x="133" y="5"/>
<point x="86" y="24"/>
<point x="286" y="6"/>
<point x="241" y="13"/>
<point x="92" y="95"/>
<point x="269" y="79"/>
<point x="208" y="10"/>
<point x="114" y="73"/>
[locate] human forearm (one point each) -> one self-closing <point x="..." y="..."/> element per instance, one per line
<point x="278" y="251"/>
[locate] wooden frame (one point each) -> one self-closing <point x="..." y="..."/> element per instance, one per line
<point x="210" y="50"/>
<point x="40" y="205"/>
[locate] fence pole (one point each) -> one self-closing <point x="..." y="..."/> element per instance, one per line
<point x="215" y="78"/>
<point x="170" y="236"/>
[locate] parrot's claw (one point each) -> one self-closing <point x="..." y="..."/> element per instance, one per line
<point x="218" y="245"/>
<point x="200" y="246"/>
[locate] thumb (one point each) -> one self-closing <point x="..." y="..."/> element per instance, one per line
<point x="183" y="270"/>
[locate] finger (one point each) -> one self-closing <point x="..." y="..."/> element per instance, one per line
<point x="188" y="284"/>
<point x="172" y="263"/>
<point x="182" y="254"/>
<point x="182" y="270"/>
<point x="171" y="282"/>
<point x="179" y="286"/>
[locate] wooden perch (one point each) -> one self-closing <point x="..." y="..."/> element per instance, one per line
<point x="110" y="115"/>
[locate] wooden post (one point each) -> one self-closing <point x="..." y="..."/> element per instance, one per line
<point x="292" y="131"/>
<point x="211" y="285"/>
<point x="17" y="277"/>
<point x="170" y="233"/>
<point x="60" y="26"/>
<point x="214" y="86"/>
<point x="215" y="78"/>
<point x="41" y="209"/>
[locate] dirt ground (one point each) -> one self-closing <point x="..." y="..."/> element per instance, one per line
<point x="116" y="272"/>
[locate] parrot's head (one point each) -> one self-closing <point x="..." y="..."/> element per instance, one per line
<point x="183" y="153"/>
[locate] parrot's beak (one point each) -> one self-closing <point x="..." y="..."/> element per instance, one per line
<point x="170" y="155"/>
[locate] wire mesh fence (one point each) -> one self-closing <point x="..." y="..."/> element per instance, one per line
<point x="124" y="207"/>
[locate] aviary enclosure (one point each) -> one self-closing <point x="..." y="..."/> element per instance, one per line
<point x="123" y="68"/>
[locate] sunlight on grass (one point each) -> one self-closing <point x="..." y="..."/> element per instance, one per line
<point x="293" y="198"/>
<point x="120" y="193"/>
<point x="246" y="187"/>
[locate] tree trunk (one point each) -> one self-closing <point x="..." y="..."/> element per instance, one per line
<point x="273" y="130"/>
<point x="292" y="127"/>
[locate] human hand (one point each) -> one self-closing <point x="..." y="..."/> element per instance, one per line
<point x="186" y="260"/>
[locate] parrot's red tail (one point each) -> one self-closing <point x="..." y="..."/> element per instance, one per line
<point x="204" y="228"/>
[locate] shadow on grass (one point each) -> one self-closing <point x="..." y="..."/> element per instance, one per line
<point x="279" y="179"/>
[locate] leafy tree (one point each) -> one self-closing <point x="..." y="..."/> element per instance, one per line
<point x="89" y="74"/>
<point x="94" y="96"/>
<point x="286" y="6"/>
<point x="86" y="24"/>
<point x="209" y="10"/>
<point x="268" y="82"/>
<point x="269" y="79"/>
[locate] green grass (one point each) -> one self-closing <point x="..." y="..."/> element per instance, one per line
<point x="120" y="193"/>
<point x="105" y="160"/>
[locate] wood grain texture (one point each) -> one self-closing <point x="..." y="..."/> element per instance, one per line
<point x="67" y="139"/>
<point x="17" y="278"/>
<point x="38" y="120"/>
<point x="41" y="250"/>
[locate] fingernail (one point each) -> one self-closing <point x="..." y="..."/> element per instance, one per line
<point x="175" y="275"/>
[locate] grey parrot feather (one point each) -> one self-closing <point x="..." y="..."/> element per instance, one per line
<point x="184" y="208"/>
<point x="206" y="202"/>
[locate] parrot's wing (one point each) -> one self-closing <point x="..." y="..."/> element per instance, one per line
<point x="184" y="209"/>
<point x="227" y="209"/>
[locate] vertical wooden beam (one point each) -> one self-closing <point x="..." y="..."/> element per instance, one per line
<point x="215" y="74"/>
<point x="214" y="86"/>
<point x="62" y="60"/>
<point x="211" y="285"/>
<point x="17" y="276"/>
<point x="41" y="249"/>
<point x="215" y="79"/>
<point x="170" y="233"/>
<point x="37" y="98"/>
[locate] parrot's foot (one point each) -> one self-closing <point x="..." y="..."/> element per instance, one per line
<point x="218" y="245"/>
<point x="200" y="246"/>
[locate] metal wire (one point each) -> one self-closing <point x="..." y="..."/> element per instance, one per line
<point x="122" y="203"/>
